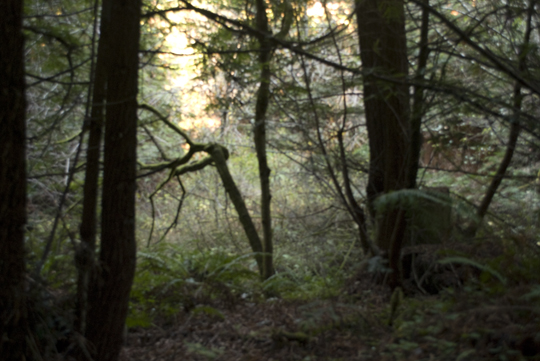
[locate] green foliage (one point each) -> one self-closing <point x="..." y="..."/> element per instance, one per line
<point x="462" y="325"/>
<point x="534" y="294"/>
<point x="201" y="350"/>
<point x="170" y="279"/>
<point x="470" y="262"/>
<point x="59" y="270"/>
<point x="520" y="264"/>
<point x="209" y="311"/>
<point x="299" y="285"/>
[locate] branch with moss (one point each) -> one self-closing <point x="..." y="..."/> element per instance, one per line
<point x="217" y="156"/>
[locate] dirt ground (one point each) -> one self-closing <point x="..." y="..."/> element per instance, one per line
<point x="273" y="330"/>
<point x="475" y="328"/>
<point x="467" y="320"/>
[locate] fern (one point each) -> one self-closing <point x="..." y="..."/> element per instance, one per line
<point x="533" y="294"/>
<point x="209" y="311"/>
<point x="470" y="262"/>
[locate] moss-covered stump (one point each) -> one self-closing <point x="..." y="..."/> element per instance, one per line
<point x="431" y="217"/>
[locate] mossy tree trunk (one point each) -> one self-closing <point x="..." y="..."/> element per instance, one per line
<point x="259" y="135"/>
<point x="218" y="154"/>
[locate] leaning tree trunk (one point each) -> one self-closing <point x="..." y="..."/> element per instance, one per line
<point x="13" y="318"/>
<point x="383" y="52"/>
<point x="217" y="153"/>
<point x="109" y="294"/>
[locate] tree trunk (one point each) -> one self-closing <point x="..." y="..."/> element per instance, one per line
<point x="13" y="313"/>
<point x="383" y="52"/>
<point x="109" y="294"/>
<point x="85" y="255"/>
<point x="418" y="99"/>
<point x="259" y="133"/>
<point x="217" y="153"/>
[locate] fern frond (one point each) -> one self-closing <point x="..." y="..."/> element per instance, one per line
<point x="473" y="263"/>
<point x="407" y="199"/>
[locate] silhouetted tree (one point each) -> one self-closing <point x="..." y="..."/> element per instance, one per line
<point x="85" y="255"/>
<point x="109" y="292"/>
<point x="383" y="50"/>
<point x="13" y="314"/>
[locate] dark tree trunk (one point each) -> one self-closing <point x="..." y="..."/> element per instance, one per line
<point x="86" y="253"/>
<point x="383" y="52"/>
<point x="13" y="316"/>
<point x="109" y="294"/>
<point x="418" y="99"/>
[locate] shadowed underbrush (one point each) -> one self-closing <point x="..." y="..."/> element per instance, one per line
<point x="212" y="305"/>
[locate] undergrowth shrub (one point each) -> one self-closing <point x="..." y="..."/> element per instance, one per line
<point x="170" y="279"/>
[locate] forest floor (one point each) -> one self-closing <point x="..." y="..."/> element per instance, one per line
<point x="473" y="323"/>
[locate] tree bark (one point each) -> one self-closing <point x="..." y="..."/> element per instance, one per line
<point x="259" y="135"/>
<point x="85" y="255"/>
<point x="109" y="294"/>
<point x="13" y="313"/>
<point x="220" y="161"/>
<point x="418" y="99"/>
<point x="383" y="50"/>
